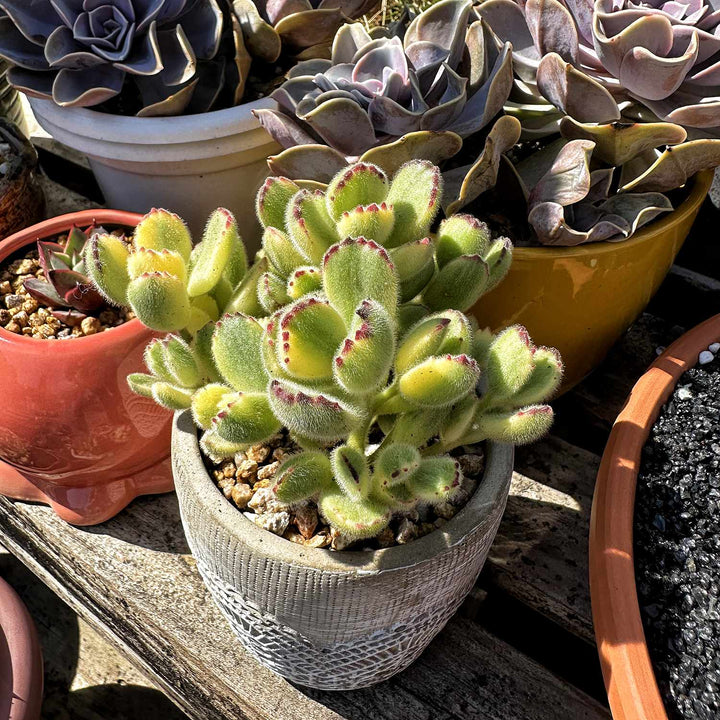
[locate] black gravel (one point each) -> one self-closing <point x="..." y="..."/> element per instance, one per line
<point x="677" y="546"/>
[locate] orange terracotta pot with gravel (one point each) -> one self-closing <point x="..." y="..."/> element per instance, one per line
<point x="629" y="677"/>
<point x="72" y="434"/>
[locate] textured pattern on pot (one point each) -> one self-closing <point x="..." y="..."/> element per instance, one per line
<point x="340" y="620"/>
<point x="72" y="434"/>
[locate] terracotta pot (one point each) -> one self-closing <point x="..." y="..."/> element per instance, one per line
<point x="582" y="299"/>
<point x="21" y="665"/>
<point x="629" y="677"/>
<point x="333" y="620"/>
<point x="72" y="434"/>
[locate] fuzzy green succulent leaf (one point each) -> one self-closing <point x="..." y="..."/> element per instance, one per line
<point x="318" y="416"/>
<point x="303" y="476"/>
<point x="282" y="253"/>
<point x="354" y="519"/>
<point x="518" y="427"/>
<point x="461" y="235"/>
<point x="459" y="422"/>
<point x="304" y="280"/>
<point x="309" y="333"/>
<point x="358" y="269"/>
<point x="395" y="463"/>
<point x="245" y="418"/>
<point x="218" y="449"/>
<point x="163" y="230"/>
<point x="361" y="184"/>
<point x="437" y="480"/>
<point x="160" y="301"/>
<point x="145" y="260"/>
<point x="416" y="428"/>
<point x="202" y="350"/>
<point x="155" y="360"/>
<point x="482" y="339"/>
<point x="212" y="255"/>
<point x="180" y="361"/>
<point x="439" y="381"/>
<point x="311" y="230"/>
<point x="498" y="259"/>
<point x="408" y="314"/>
<point x="415" y="264"/>
<point x="415" y="194"/>
<point x="271" y="292"/>
<point x="458" y="285"/>
<point x="141" y="384"/>
<point x="351" y="472"/>
<point x="207" y="403"/>
<point x="272" y="201"/>
<point x="171" y="396"/>
<point x="245" y="298"/>
<point x="364" y="358"/>
<point x="106" y="258"/>
<point x="509" y="363"/>
<point x="443" y="333"/>
<point x="543" y="381"/>
<point x="237" y="352"/>
<point x="374" y="221"/>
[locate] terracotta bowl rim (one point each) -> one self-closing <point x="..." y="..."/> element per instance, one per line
<point x="630" y="681"/>
<point x="53" y="226"/>
<point x="701" y="183"/>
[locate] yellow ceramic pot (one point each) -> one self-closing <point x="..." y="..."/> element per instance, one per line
<point x="582" y="299"/>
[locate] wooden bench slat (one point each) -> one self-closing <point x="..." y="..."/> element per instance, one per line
<point x="132" y="578"/>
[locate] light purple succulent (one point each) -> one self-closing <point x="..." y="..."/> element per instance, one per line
<point x="446" y="74"/>
<point x="82" y="52"/>
<point x="585" y="58"/>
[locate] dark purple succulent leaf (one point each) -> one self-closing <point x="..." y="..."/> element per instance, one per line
<point x="354" y="9"/>
<point x="117" y="52"/>
<point x="390" y="118"/>
<point x="331" y="123"/>
<point x="87" y="87"/>
<point x="32" y="83"/>
<point x="349" y="39"/>
<point x="203" y="26"/>
<point x="178" y="62"/>
<point x="284" y="130"/>
<point x="63" y="51"/>
<point x="450" y="104"/>
<point x="424" y="54"/>
<point x="34" y="19"/>
<point x="342" y="72"/>
<point x="311" y="68"/>
<point x="71" y="317"/>
<point x="444" y="24"/>
<point x="67" y="10"/>
<point x="276" y="10"/>
<point x="162" y="100"/>
<point x="372" y="64"/>
<point x="293" y="91"/>
<point x="18" y="50"/>
<point x="207" y="86"/>
<point x="44" y="292"/>
<point x="308" y="28"/>
<point x="146" y="11"/>
<point x="553" y="29"/>
<point x="145" y="58"/>
<point x="488" y="101"/>
<point x="52" y="256"/>
<point x="173" y="9"/>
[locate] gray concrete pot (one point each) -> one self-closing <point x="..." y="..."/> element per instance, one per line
<point x="333" y="620"/>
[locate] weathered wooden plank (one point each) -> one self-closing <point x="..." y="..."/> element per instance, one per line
<point x="85" y="676"/>
<point x="133" y="579"/>
<point x="540" y="553"/>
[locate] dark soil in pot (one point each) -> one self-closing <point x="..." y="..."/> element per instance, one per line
<point x="677" y="544"/>
<point x="22" y="314"/>
<point x="247" y="479"/>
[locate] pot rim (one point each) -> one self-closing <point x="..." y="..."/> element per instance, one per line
<point x="24" y="674"/>
<point x="53" y="226"/>
<point x="491" y="490"/>
<point x="174" y="129"/>
<point x="630" y="681"/>
<point x="701" y="183"/>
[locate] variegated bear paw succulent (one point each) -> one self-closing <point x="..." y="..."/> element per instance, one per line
<point x="335" y="364"/>
<point x="358" y="333"/>
<point x="168" y="283"/>
<point x="362" y="204"/>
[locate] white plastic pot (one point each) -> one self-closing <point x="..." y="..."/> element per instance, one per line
<point x="189" y="164"/>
